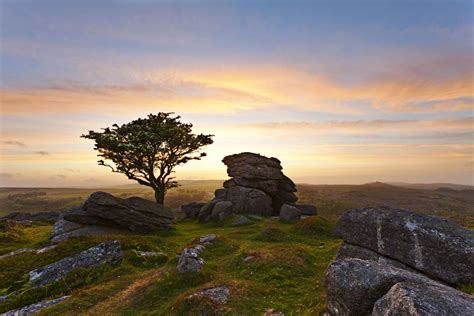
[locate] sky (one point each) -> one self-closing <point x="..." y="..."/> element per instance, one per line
<point x="342" y="92"/>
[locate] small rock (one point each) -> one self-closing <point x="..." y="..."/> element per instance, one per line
<point x="45" y="249"/>
<point x="108" y="252"/>
<point x="240" y="220"/>
<point x="208" y="238"/>
<point x="219" y="295"/>
<point x="199" y="248"/>
<point x="3" y="298"/>
<point x="189" y="261"/>
<point x="248" y="258"/>
<point x="255" y="217"/>
<point x="35" y="308"/>
<point x="290" y="213"/>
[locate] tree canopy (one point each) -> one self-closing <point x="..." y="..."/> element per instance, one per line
<point x="148" y="149"/>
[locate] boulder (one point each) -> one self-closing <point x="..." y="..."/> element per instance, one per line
<point x="354" y="285"/>
<point x="249" y="200"/>
<point x="435" y="246"/>
<point x="289" y="213"/>
<point x="35" y="308"/>
<point x="190" y="260"/>
<point x="108" y="252"/>
<point x="253" y="166"/>
<point x="221" y="210"/>
<point x="135" y="214"/>
<point x="192" y="209"/>
<point x="421" y="299"/>
<point x="307" y="209"/>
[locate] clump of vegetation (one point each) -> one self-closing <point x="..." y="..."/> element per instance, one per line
<point x="314" y="226"/>
<point x="272" y="234"/>
<point x="196" y="305"/>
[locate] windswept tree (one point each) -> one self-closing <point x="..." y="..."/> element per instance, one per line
<point x="147" y="150"/>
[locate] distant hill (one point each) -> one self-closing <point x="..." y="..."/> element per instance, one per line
<point x="432" y="186"/>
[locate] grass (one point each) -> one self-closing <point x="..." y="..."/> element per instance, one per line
<point x="284" y="274"/>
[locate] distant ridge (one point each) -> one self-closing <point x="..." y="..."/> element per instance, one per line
<point x="432" y="186"/>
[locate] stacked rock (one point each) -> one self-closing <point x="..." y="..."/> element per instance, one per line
<point x="257" y="186"/>
<point x="397" y="262"/>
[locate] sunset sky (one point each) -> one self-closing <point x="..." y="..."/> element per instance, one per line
<point x="339" y="91"/>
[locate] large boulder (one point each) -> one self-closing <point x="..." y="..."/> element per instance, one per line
<point x="421" y="299"/>
<point x="133" y="214"/>
<point x="307" y="209"/>
<point x="354" y="285"/>
<point x="108" y="252"/>
<point x="136" y="214"/>
<point x="221" y="210"/>
<point x="248" y="200"/>
<point x="435" y="246"/>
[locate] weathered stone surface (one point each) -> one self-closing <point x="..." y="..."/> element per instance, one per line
<point x="290" y="213"/>
<point x="35" y="308"/>
<point x="221" y="210"/>
<point x="220" y="194"/>
<point x="354" y="285"/>
<point x="108" y="252"/>
<point x="417" y="299"/>
<point x="190" y="261"/>
<point x="306" y="209"/>
<point x="205" y="213"/>
<point x="63" y="229"/>
<point x="219" y="295"/>
<point x="39" y="216"/>
<point x="192" y="209"/>
<point x="435" y="246"/>
<point x="268" y="186"/>
<point x="248" y="200"/>
<point x="135" y="214"/>
<point x="352" y="251"/>
<point x="252" y="166"/>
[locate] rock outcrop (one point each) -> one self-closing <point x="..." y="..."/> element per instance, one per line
<point x="257" y="186"/>
<point x="397" y="262"/>
<point x="435" y="246"/>
<point x="108" y="252"/>
<point x="102" y="213"/>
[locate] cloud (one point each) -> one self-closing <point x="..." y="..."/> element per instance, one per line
<point x="14" y="143"/>
<point x="62" y="176"/>
<point x="42" y="153"/>
<point x="407" y="88"/>
<point x="9" y="175"/>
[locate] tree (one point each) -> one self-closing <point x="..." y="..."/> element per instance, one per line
<point x="147" y="150"/>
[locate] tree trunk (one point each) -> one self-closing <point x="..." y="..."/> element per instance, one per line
<point x="160" y="196"/>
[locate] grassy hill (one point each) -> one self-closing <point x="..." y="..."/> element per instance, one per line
<point x="285" y="273"/>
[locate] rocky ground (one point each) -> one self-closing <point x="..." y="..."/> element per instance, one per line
<point x="264" y="265"/>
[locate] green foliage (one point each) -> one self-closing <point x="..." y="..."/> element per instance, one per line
<point x="272" y="234"/>
<point x="147" y="150"/>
